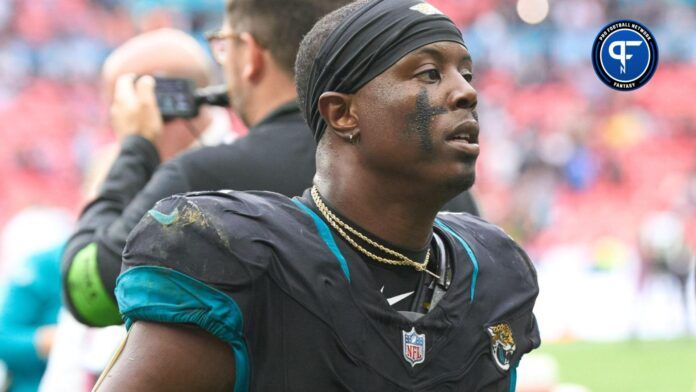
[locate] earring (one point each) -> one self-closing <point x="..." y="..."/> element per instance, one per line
<point x="352" y="138"/>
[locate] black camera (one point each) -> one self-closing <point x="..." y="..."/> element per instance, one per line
<point x="179" y="98"/>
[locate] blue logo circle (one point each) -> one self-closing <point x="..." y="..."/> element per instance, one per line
<point x="624" y="55"/>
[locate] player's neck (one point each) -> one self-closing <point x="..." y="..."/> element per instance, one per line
<point x="393" y="213"/>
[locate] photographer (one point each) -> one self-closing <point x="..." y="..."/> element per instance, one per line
<point x="178" y="55"/>
<point x="256" y="47"/>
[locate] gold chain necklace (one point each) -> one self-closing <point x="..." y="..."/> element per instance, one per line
<point x="339" y="226"/>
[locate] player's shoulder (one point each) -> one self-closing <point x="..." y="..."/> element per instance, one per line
<point x="203" y="229"/>
<point x="491" y="243"/>
<point x="227" y="213"/>
<point x="482" y="230"/>
<point x="231" y="204"/>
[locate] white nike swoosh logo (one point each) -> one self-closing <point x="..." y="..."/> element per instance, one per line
<point x="398" y="298"/>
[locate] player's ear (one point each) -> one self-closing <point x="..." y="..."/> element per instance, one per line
<point x="337" y="111"/>
<point x="254" y="57"/>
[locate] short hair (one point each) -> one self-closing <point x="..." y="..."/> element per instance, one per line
<point x="312" y="43"/>
<point x="279" y="25"/>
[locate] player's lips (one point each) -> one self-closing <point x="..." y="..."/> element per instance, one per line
<point x="465" y="137"/>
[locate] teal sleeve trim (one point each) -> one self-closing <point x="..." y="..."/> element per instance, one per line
<point x="513" y="378"/>
<point x="472" y="257"/>
<point x="164" y="295"/>
<point x="326" y="236"/>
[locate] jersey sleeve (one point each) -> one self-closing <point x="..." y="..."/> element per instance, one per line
<point x="506" y="292"/>
<point x="520" y="317"/>
<point x="193" y="259"/>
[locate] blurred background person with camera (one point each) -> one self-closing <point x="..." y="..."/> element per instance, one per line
<point x="141" y="151"/>
<point x="80" y="353"/>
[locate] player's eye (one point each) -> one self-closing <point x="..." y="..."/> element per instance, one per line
<point x="430" y="75"/>
<point x="468" y="76"/>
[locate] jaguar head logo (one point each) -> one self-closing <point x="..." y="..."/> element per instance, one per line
<point x="502" y="344"/>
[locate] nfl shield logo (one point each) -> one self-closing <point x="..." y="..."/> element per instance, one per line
<point x="414" y="347"/>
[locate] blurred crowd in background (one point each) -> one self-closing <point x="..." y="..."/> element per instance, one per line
<point x="598" y="185"/>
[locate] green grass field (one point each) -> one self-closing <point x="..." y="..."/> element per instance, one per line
<point x="635" y="366"/>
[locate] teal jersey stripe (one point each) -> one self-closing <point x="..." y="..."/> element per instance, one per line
<point x="326" y="236"/>
<point x="472" y="257"/>
<point x="513" y="378"/>
<point x="164" y="295"/>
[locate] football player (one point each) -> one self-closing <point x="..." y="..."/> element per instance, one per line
<point x="359" y="284"/>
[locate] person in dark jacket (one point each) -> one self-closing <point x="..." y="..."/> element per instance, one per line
<point x="256" y="47"/>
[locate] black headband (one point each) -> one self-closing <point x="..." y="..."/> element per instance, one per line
<point x="369" y="42"/>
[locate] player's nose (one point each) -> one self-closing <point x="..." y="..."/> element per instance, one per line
<point x="463" y="95"/>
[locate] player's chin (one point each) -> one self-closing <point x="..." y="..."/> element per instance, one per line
<point x="467" y="180"/>
<point x="463" y="177"/>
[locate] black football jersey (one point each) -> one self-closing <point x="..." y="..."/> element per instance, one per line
<point x="302" y="311"/>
